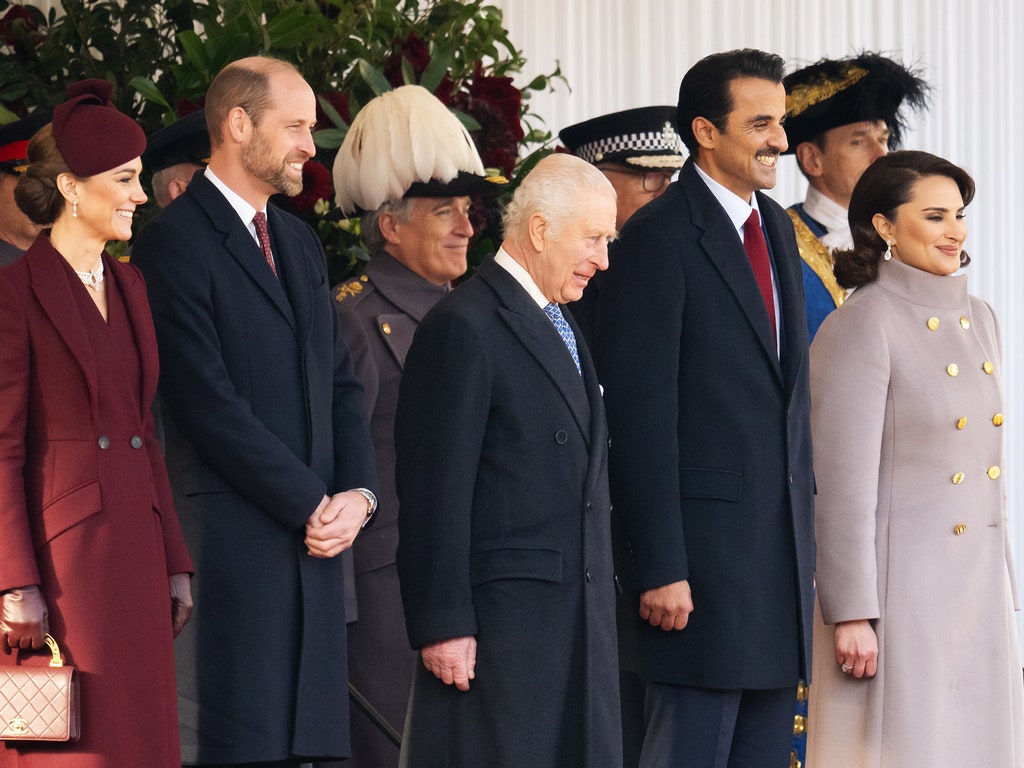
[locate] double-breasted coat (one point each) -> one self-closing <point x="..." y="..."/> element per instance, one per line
<point x="504" y="535"/>
<point x="710" y="427"/>
<point x="259" y="384"/>
<point x="379" y="312"/>
<point x="912" y="530"/>
<point x="85" y="506"/>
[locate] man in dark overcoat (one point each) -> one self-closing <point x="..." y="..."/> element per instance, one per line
<point x="504" y="551"/>
<point x="418" y="233"/>
<point x="702" y="350"/>
<point x="257" y="381"/>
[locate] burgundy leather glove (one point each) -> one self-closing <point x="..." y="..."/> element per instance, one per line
<point x="23" y="618"/>
<point x="181" y="600"/>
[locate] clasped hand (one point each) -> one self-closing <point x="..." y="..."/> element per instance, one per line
<point x="334" y="525"/>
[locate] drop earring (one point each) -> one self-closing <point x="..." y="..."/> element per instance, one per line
<point x="888" y="251"/>
<point x="74" y="209"/>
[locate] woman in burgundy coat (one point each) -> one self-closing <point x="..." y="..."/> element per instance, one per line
<point x="90" y="546"/>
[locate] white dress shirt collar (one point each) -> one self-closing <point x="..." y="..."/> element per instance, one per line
<point x="521" y="276"/>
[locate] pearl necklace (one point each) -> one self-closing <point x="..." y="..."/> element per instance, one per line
<point x="93" y="277"/>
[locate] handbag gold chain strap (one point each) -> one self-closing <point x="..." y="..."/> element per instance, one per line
<point x="56" y="660"/>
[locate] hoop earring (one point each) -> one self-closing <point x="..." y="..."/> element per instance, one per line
<point x="74" y="209"/>
<point x="888" y="251"/>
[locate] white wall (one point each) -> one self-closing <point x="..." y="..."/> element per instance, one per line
<point x="618" y="54"/>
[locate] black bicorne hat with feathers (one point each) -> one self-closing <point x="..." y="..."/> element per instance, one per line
<point x="835" y="92"/>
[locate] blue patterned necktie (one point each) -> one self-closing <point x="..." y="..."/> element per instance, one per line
<point x="555" y="314"/>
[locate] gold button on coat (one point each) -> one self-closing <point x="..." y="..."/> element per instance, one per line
<point x="987" y="367"/>
<point x="998" y="420"/>
<point x="964" y="322"/>
<point x="933" y="323"/>
<point x="993" y="472"/>
<point x="961" y="422"/>
<point x="953" y="369"/>
<point x="959" y="529"/>
<point x="958" y="478"/>
<point x="386" y="327"/>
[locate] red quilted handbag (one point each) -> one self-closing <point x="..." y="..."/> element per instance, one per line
<point x="40" y="703"/>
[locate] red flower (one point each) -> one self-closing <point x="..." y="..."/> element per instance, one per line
<point x="316" y="185"/>
<point x="413" y="49"/>
<point x="340" y="103"/>
<point x="495" y="103"/>
<point x="15" y="14"/>
<point x="19" y="29"/>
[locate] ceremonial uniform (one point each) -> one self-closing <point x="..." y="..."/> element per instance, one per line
<point x="379" y="313"/>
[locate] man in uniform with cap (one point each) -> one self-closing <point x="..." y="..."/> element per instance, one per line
<point x="17" y="231"/>
<point x="841" y="115"/>
<point x="416" y="225"/>
<point x="175" y="153"/>
<point x="638" y="150"/>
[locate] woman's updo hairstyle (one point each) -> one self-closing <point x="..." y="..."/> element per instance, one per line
<point x="36" y="193"/>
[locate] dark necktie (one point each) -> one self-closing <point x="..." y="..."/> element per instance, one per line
<point x="757" y="252"/>
<point x="555" y="314"/>
<point x="260" y="222"/>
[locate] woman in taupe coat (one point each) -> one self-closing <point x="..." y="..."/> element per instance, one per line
<point x="916" y="660"/>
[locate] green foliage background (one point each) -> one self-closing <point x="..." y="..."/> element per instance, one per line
<point x="162" y="56"/>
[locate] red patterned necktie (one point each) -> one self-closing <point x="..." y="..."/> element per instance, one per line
<point x="263" y="234"/>
<point x="757" y="252"/>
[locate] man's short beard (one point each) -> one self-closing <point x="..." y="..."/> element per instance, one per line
<point x="255" y="158"/>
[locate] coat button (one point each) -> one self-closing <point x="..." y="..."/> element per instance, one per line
<point x="993" y="472"/>
<point x="386" y="327"/>
<point x="586" y="572"/>
<point x="961" y="422"/>
<point x="933" y="323"/>
<point x="987" y="367"/>
<point x="959" y="529"/>
<point x="103" y="443"/>
<point x="136" y="442"/>
<point x="561" y="437"/>
<point x="953" y="369"/>
<point x="964" y="322"/>
<point x="958" y="478"/>
<point x="997" y="420"/>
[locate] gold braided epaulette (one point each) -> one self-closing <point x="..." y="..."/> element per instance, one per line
<point x="351" y="288"/>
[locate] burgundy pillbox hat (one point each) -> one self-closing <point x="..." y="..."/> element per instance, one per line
<point x="90" y="134"/>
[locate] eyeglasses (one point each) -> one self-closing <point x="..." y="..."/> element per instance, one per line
<point x="653" y="181"/>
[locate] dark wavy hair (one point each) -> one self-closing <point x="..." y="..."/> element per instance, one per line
<point x="885" y="186"/>
<point x="704" y="90"/>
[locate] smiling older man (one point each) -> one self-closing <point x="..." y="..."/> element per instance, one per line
<point x="418" y="230"/>
<point x="504" y="552"/>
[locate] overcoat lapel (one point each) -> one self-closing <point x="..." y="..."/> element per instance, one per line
<point x="789" y="274"/>
<point x="536" y="332"/>
<point x="598" y="438"/>
<point x="50" y="285"/>
<point x="239" y="243"/>
<point x="724" y="249"/>
<point x="133" y="291"/>
<point x="298" y="282"/>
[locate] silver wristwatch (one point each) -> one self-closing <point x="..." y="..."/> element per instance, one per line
<point x="371" y="503"/>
